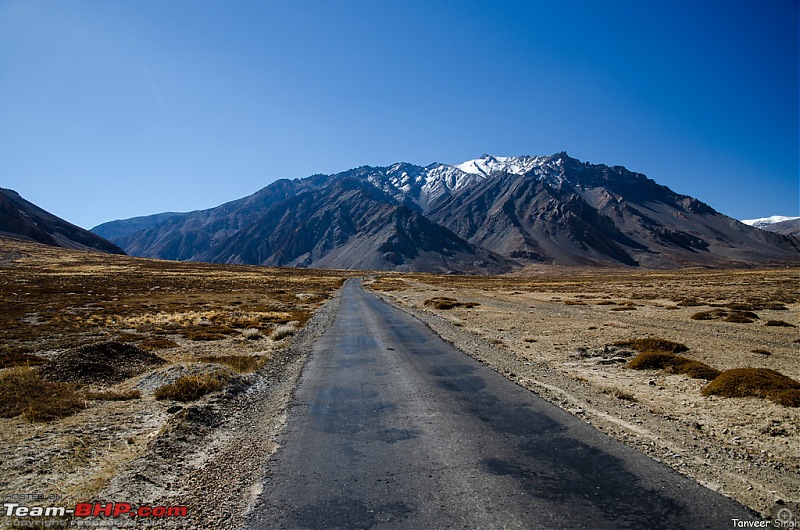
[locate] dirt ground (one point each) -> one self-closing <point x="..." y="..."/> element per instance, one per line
<point x="66" y="317"/>
<point x="553" y="332"/>
<point x="108" y="332"/>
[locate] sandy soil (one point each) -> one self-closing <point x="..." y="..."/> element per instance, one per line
<point x="552" y="335"/>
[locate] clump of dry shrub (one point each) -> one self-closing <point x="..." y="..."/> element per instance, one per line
<point x="737" y="316"/>
<point x="192" y="387"/>
<point x="756" y="382"/>
<point x="23" y="392"/>
<point x="674" y="364"/>
<point x="284" y="330"/>
<point x="780" y="323"/>
<point x="653" y="344"/>
<point x="446" y="303"/>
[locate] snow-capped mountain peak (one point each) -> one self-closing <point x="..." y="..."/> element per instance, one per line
<point x="767" y="221"/>
<point x="487" y="164"/>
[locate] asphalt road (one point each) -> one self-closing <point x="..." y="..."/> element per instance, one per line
<point x="391" y="427"/>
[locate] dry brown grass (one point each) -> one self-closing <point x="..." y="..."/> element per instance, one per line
<point x="756" y="382"/>
<point x="24" y="393"/>
<point x="113" y="395"/>
<point x="192" y="387"/>
<point x="671" y="363"/>
<point x="240" y="363"/>
<point x="653" y="345"/>
<point x="618" y="393"/>
<point x="12" y="358"/>
<point x="445" y="303"/>
<point x="779" y="324"/>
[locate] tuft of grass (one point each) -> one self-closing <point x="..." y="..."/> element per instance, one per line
<point x="240" y="363"/>
<point x="762" y="351"/>
<point x="574" y="302"/>
<point x="252" y="333"/>
<point x="741" y="317"/>
<point x="445" y="303"/>
<point x="113" y="395"/>
<point x="735" y="316"/>
<point x="283" y="331"/>
<point x="192" y="387"/>
<point x="756" y="382"/>
<point x="651" y="360"/>
<point x="674" y="364"/>
<point x="24" y="393"/>
<point x="618" y="393"/>
<point x="714" y="314"/>
<point x="780" y="323"/>
<point x="653" y="344"/>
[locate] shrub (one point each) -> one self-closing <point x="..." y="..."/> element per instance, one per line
<point x="671" y="363"/>
<point x="24" y="392"/>
<point x="755" y="382"/>
<point x="445" y="303"/>
<point x="651" y="360"/>
<point x="762" y="351"/>
<point x="787" y="398"/>
<point x="252" y="333"/>
<point x="283" y="331"/>
<point x="741" y="317"/>
<point x="192" y="387"/>
<point x="653" y="344"/>
<point x="709" y="315"/>
<point x="780" y="323"/>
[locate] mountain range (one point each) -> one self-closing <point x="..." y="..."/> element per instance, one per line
<point x="487" y="215"/>
<point x="21" y="219"/>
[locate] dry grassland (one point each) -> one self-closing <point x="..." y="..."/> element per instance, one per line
<point x="571" y="336"/>
<point x="97" y="352"/>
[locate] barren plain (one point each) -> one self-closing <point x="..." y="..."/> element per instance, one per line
<point x="148" y="381"/>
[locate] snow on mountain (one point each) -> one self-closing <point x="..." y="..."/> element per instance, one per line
<point x="488" y="165"/>
<point x="427" y="185"/>
<point x="767" y="221"/>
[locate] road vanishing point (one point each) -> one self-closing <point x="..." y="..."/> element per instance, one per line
<point x="392" y="427"/>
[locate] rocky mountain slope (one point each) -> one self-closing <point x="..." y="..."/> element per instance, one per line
<point x="21" y="219"/>
<point x="487" y="215"/>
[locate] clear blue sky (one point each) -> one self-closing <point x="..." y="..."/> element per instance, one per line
<point x="112" y="109"/>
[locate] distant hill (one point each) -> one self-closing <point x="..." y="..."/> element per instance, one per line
<point x="21" y="219"/>
<point x="487" y="215"/>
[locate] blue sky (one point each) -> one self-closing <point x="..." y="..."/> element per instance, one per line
<point x="114" y="109"/>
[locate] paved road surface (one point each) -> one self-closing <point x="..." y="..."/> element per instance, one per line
<point x="391" y="427"/>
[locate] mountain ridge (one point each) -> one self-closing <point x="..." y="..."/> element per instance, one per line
<point x="490" y="215"/>
<point x="21" y="219"/>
